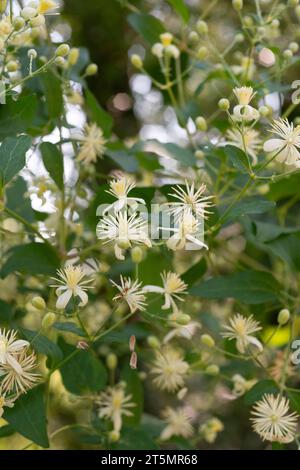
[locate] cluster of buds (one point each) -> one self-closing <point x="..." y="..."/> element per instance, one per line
<point x="133" y="357"/>
<point x="165" y="48"/>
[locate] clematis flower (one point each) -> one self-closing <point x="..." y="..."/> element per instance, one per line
<point x="131" y="292"/>
<point x="72" y="282"/>
<point x="241" y="329"/>
<point x="243" y="111"/>
<point x="120" y="188"/>
<point x="178" y="424"/>
<point x="9" y="346"/>
<point x="173" y="286"/>
<point x="288" y="143"/>
<point x="250" y="140"/>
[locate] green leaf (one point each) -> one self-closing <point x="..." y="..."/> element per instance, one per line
<point x="82" y="373"/>
<point x="135" y="389"/>
<point x="6" y="430"/>
<point x="33" y="258"/>
<point x="6" y="312"/>
<point x="250" y="206"/>
<point x="122" y="157"/>
<point x="54" y="163"/>
<point x="17" y="201"/>
<point x="97" y="114"/>
<point x="147" y="26"/>
<point x="69" y="327"/>
<point x="250" y="287"/>
<point x="42" y="344"/>
<point x="195" y="273"/>
<point x="181" y="8"/>
<point x="28" y="416"/>
<point x="238" y="158"/>
<point x="285" y="187"/>
<point x="53" y="94"/>
<point x="294" y="398"/>
<point x="12" y="156"/>
<point x="258" y="390"/>
<point x="136" y="439"/>
<point x="17" y="116"/>
<point x="287" y="248"/>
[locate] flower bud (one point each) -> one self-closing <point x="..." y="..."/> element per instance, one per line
<point x="62" y="50"/>
<point x="12" y="66"/>
<point x="136" y="61"/>
<point x="32" y="54"/>
<point x="153" y="342"/>
<point x="202" y="53"/>
<point x="202" y="27"/>
<point x="166" y="39"/>
<point x="133" y="360"/>
<point x="132" y="342"/>
<point x="136" y="254"/>
<point x="275" y="23"/>
<point x="207" y="340"/>
<point x="294" y="47"/>
<point x="3" y="5"/>
<point x="201" y="124"/>
<point x="224" y="104"/>
<point x="182" y="393"/>
<point x="83" y="345"/>
<point x="48" y="320"/>
<point x="92" y="69"/>
<point x="237" y="4"/>
<point x="199" y="154"/>
<point x="28" y="12"/>
<point x="239" y="37"/>
<point x="283" y="316"/>
<point x="60" y="61"/>
<point x="212" y="369"/>
<point x="248" y="21"/>
<point x="73" y="56"/>
<point x="111" y="361"/>
<point x="38" y="303"/>
<point x="114" y="436"/>
<point x="157" y="50"/>
<point x="37" y="21"/>
<point x="183" y="319"/>
<point x="172" y="51"/>
<point x="264" y="111"/>
<point x="193" y="37"/>
<point x="266" y="57"/>
<point x="287" y="54"/>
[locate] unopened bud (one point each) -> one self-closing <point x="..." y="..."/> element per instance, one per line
<point x="202" y="27"/>
<point x="48" y="320"/>
<point x="275" y="23"/>
<point x="133" y="360"/>
<point x="114" y="436"/>
<point x="136" y="254"/>
<point x="287" y="54"/>
<point x="62" y="50"/>
<point x="193" y="37"/>
<point x="132" y="342"/>
<point x="237" y="4"/>
<point x="207" y="340"/>
<point x="28" y="12"/>
<point x="212" y="369"/>
<point x="182" y="393"/>
<point x="264" y="111"/>
<point x="199" y="154"/>
<point x="201" y="124"/>
<point x="136" y="61"/>
<point x="183" y="319"/>
<point x="37" y="21"/>
<point x="294" y="47"/>
<point x="60" y="61"/>
<point x="73" y="56"/>
<point x="111" y="361"/>
<point x="202" y="53"/>
<point x="92" y="69"/>
<point x="18" y="23"/>
<point x="172" y="51"/>
<point x="266" y="57"/>
<point x="224" y="104"/>
<point x="283" y="316"/>
<point x="248" y="21"/>
<point x="153" y="342"/>
<point x="12" y="66"/>
<point x="239" y="37"/>
<point x="38" y="303"/>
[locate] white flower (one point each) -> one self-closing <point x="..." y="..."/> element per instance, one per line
<point x="179" y="424"/>
<point x="170" y="370"/>
<point x="21" y="380"/>
<point x="272" y="420"/>
<point x="241" y="329"/>
<point x="243" y="111"/>
<point x="188" y="229"/>
<point x="124" y="230"/>
<point x="73" y="283"/>
<point x="132" y="294"/>
<point x="184" y="331"/>
<point x="251" y="141"/>
<point x="241" y="385"/>
<point x="287" y="144"/>
<point x="9" y="346"/>
<point x="46" y="5"/>
<point x="113" y="404"/>
<point x="120" y="188"/>
<point x="9" y="402"/>
<point x="190" y="199"/>
<point x="89" y="266"/>
<point x="210" y="429"/>
<point x="92" y="143"/>
<point x="172" y="287"/>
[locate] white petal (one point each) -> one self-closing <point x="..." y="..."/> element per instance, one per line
<point x="83" y="296"/>
<point x="273" y="144"/>
<point x="17" y="345"/>
<point x="63" y="299"/>
<point x="255" y="342"/>
<point x="156" y="289"/>
<point x="14" y="363"/>
<point x="119" y="252"/>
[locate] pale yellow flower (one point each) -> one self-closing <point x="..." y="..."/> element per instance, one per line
<point x="72" y="282"/>
<point x="92" y="143"/>
<point x="22" y="380"/>
<point x="114" y="404"/>
<point x="169" y="369"/>
<point x="178" y="424"/>
<point x="241" y="329"/>
<point x="46" y="5"/>
<point x="9" y="347"/>
<point x="287" y="145"/>
<point x="173" y="288"/>
<point x="131" y="292"/>
<point x="249" y="139"/>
